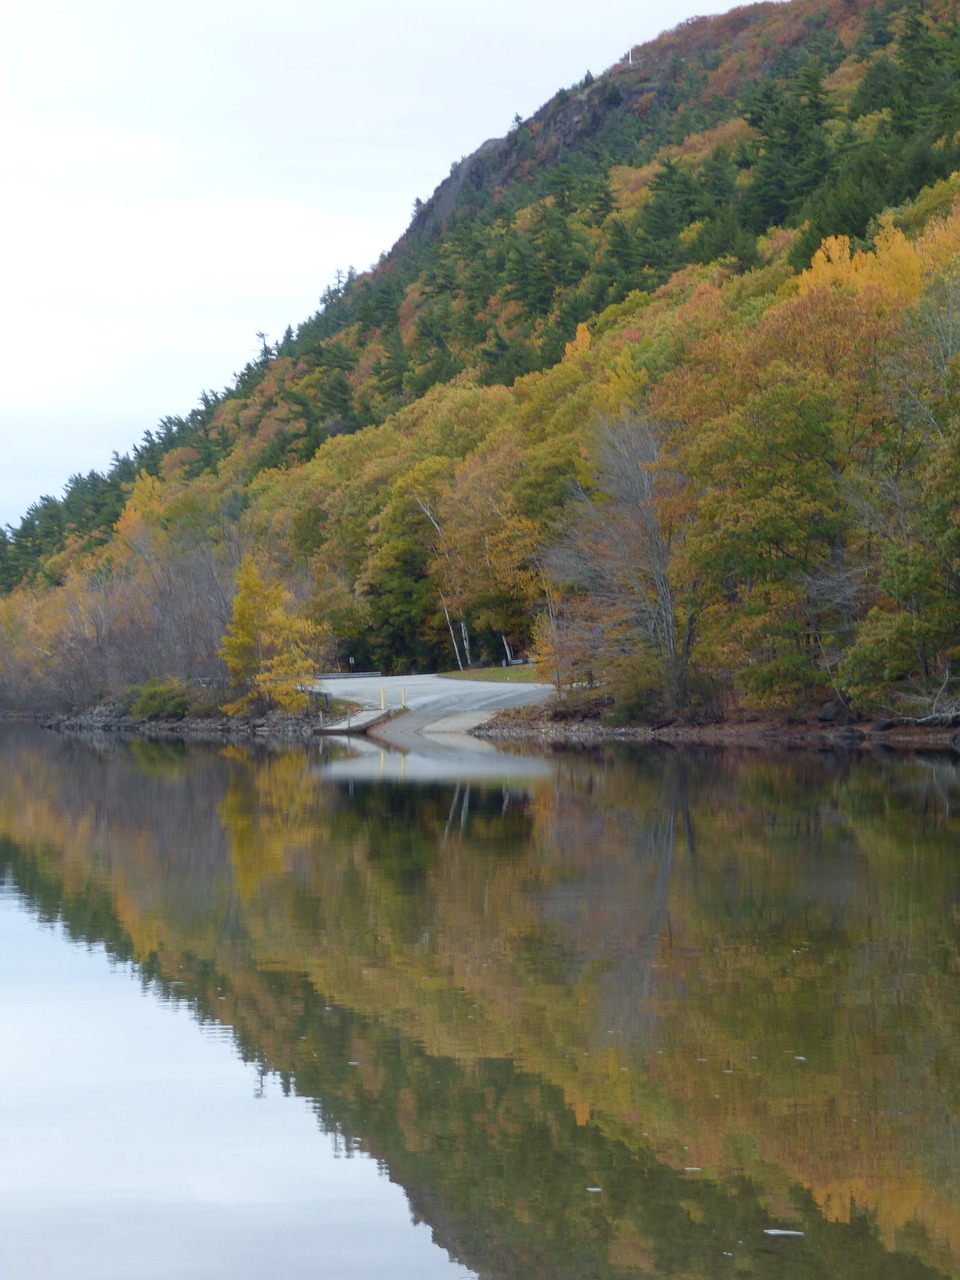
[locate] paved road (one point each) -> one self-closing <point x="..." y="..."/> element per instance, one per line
<point x="436" y="706"/>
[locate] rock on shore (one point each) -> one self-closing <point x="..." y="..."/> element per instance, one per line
<point x="536" y="727"/>
<point x="276" y="726"/>
<point x="754" y="732"/>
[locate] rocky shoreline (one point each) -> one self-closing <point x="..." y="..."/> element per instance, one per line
<point x="752" y="733"/>
<point x="532" y="726"/>
<point x="275" y="727"/>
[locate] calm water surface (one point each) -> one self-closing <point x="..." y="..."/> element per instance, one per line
<point x="299" y="1015"/>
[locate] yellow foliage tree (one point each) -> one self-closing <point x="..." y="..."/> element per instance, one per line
<point x="895" y="266"/>
<point x="271" y="652"/>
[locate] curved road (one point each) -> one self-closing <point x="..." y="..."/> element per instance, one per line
<point x="436" y="705"/>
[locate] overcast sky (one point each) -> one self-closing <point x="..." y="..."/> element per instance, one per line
<point x="178" y="176"/>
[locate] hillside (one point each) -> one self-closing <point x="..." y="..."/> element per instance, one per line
<point x="659" y="386"/>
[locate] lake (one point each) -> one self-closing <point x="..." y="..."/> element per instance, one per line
<point x="637" y="1012"/>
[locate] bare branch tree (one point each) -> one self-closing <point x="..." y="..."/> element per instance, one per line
<point x="618" y="549"/>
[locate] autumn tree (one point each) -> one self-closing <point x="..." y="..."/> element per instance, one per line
<point x="908" y="646"/>
<point x="271" y="651"/>
<point x="619" y="554"/>
<point x="485" y="555"/>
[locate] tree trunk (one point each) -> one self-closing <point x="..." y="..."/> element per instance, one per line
<point x="453" y="636"/>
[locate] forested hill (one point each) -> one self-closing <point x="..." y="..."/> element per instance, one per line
<point x="659" y="386"/>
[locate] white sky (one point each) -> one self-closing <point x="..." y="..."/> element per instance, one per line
<point x="178" y="176"/>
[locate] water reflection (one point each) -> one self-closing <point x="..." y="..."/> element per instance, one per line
<point x="619" y="1015"/>
<point x="136" y="1145"/>
<point x="450" y="757"/>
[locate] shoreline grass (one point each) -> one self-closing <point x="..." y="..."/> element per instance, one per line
<point x="527" y="674"/>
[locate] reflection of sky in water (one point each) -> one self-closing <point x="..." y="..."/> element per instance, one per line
<point x="449" y="758"/>
<point x="134" y="1145"/>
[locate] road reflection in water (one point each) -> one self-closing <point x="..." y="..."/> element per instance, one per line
<point x="613" y="1015"/>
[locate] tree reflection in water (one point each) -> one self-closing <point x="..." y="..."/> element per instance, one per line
<point x="719" y="987"/>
